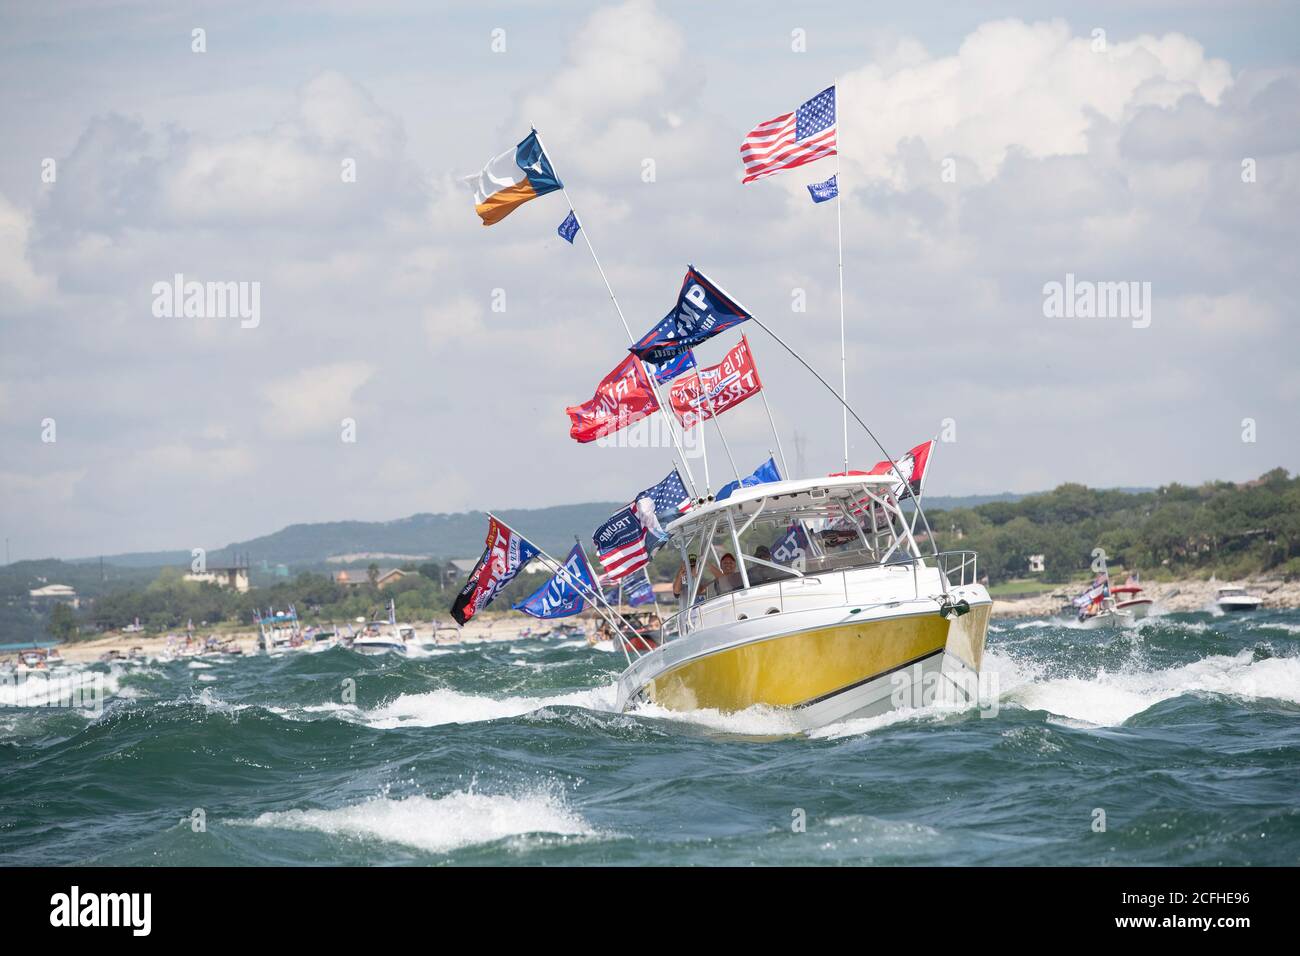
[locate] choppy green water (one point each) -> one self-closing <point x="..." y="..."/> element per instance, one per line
<point x="1185" y="731"/>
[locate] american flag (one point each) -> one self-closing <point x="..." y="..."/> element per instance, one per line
<point x="621" y="561"/>
<point x="669" y="495"/>
<point x="791" y="139"/>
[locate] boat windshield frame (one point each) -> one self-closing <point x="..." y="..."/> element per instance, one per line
<point x="862" y="506"/>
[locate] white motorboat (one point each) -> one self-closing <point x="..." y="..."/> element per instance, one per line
<point x="1107" y="615"/>
<point x="1232" y="598"/>
<point x="37" y="660"/>
<point x="1098" y="607"/>
<point x="278" y="632"/>
<point x="384" y="637"/>
<point x="1128" y="597"/>
<point x="855" y="623"/>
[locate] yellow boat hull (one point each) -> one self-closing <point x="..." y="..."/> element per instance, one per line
<point x="804" y="668"/>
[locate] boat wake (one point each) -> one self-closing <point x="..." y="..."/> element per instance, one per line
<point x="439" y="707"/>
<point x="1109" y="698"/>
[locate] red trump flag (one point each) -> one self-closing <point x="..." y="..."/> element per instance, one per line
<point x="713" y="390"/>
<point x="623" y="397"/>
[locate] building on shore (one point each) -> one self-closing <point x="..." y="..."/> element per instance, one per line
<point x="235" y="578"/>
<point x="46" y="597"/>
<point x="361" y="578"/>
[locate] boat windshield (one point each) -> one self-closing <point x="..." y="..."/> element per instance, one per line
<point x="786" y="536"/>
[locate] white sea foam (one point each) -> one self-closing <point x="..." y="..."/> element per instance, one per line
<point x="77" y="691"/>
<point x="452" y="707"/>
<point x="1110" y="698"/>
<point x="440" y="824"/>
<point x="757" y="721"/>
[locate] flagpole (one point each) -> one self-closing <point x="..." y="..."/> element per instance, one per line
<point x="785" y="467"/>
<point x="600" y="598"/>
<point x="839" y="234"/>
<point x="654" y="386"/>
<point x="704" y="445"/>
<point x="713" y="414"/>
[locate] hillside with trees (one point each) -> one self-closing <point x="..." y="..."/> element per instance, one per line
<point x="1231" y="530"/>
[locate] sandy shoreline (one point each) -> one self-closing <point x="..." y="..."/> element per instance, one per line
<point x="491" y="628"/>
<point x="1182" y="595"/>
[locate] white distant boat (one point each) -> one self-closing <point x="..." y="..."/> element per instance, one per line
<point x="1098" y="607"/>
<point x="1128" y="597"/>
<point x="1237" y="599"/>
<point x="278" y="632"/>
<point x="1108" y="615"/>
<point x="384" y="637"/>
<point x="38" y="660"/>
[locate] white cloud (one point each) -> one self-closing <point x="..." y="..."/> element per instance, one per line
<point x="1011" y="84"/>
<point x="20" y="285"/>
<point x="315" y="400"/>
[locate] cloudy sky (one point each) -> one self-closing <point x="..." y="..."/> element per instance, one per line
<point x="1164" y="149"/>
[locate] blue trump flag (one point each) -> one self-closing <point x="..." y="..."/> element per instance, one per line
<point x="762" y="475"/>
<point x="821" y="192"/>
<point x="675" y="366"/>
<point x="790" y="545"/>
<point x="639" y="594"/>
<point x="702" y="311"/>
<point x="562" y="595"/>
<point x="569" y="228"/>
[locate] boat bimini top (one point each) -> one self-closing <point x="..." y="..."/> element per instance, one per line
<point x="830" y="524"/>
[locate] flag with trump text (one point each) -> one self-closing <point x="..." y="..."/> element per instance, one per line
<point x="702" y="311"/>
<point x="711" y="391"/>
<point x="565" y="593"/>
<point x="639" y="593"/>
<point x="622" y="398"/>
<point x="621" y="544"/>
<point x="792" y="139"/>
<point x="505" y="554"/>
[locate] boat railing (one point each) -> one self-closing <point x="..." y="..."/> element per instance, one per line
<point x="956" y="569"/>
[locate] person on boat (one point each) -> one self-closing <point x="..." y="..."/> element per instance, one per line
<point x="679" y="582"/>
<point x="761" y="574"/>
<point x="728" y="578"/>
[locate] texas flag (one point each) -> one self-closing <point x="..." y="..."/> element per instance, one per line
<point x="511" y="179"/>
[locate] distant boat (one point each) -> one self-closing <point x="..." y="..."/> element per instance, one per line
<point x="37" y="659"/>
<point x="1128" y="597"/>
<point x="1237" y="599"/>
<point x="384" y="637"/>
<point x="1098" y="607"/>
<point x="278" y="632"/>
